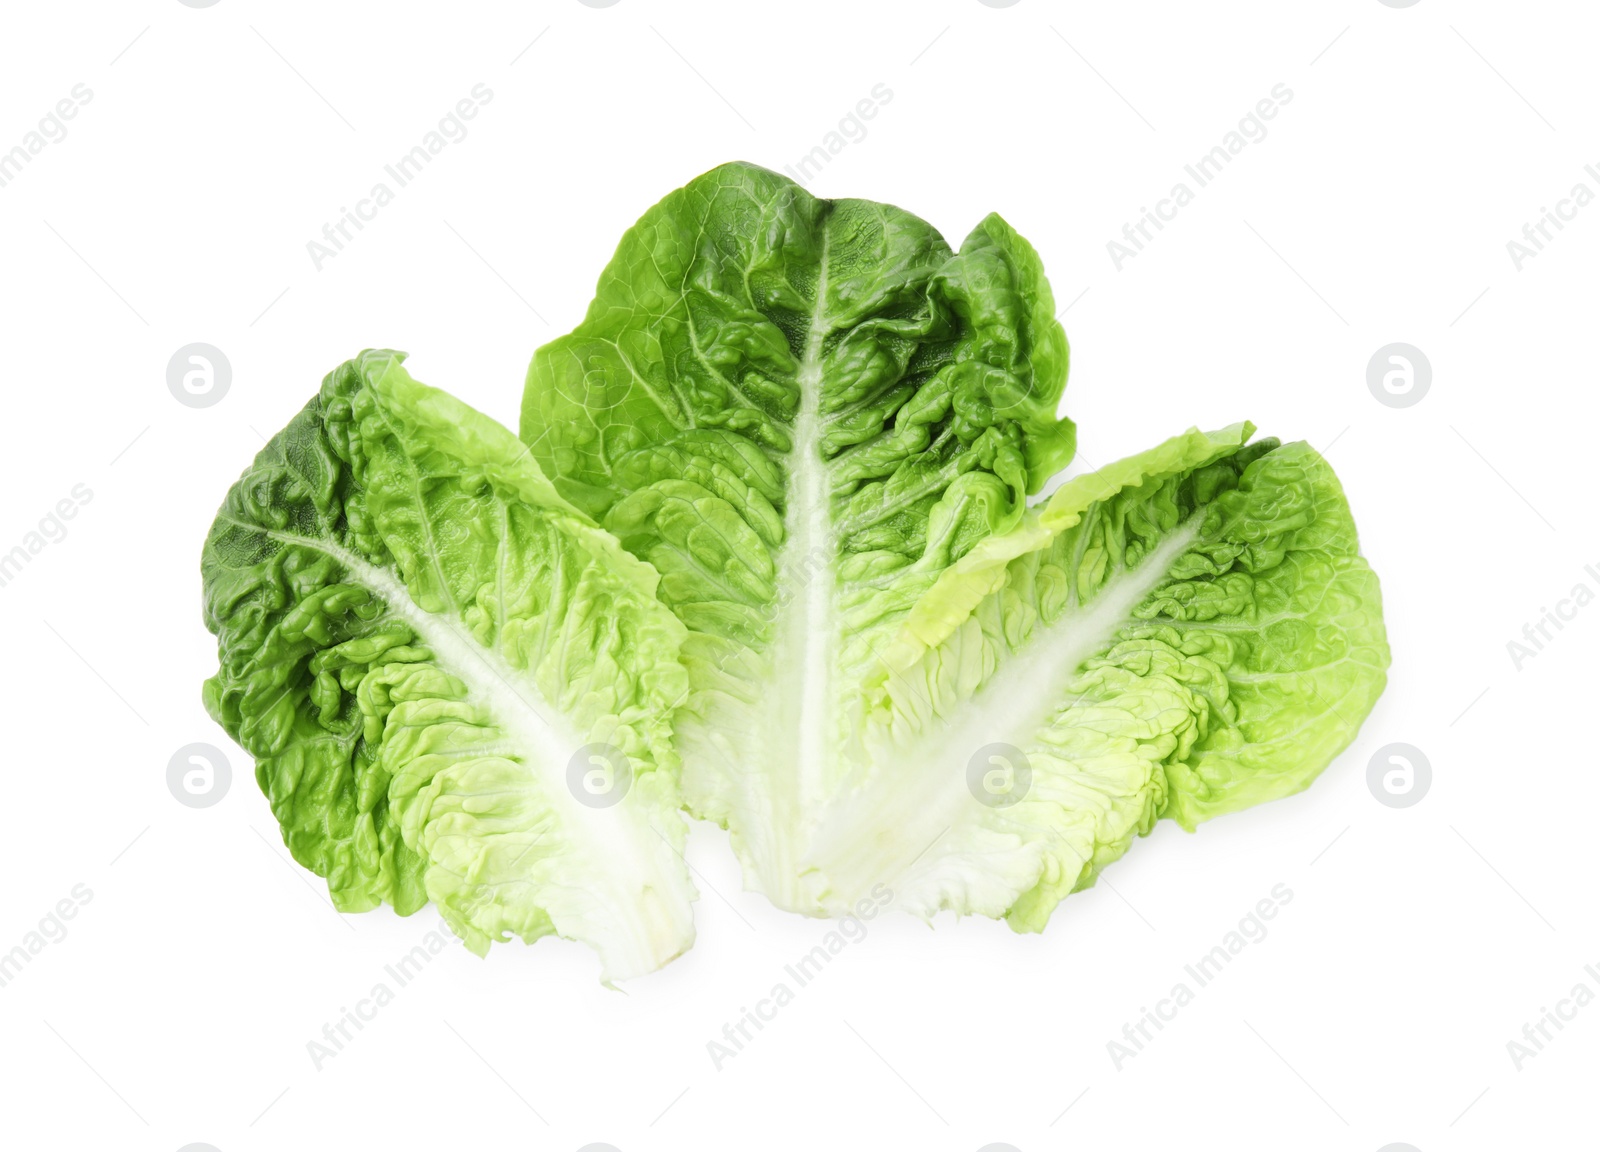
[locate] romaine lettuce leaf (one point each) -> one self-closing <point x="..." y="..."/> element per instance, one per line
<point x="428" y="651"/>
<point x="800" y="411"/>
<point x="1184" y="633"/>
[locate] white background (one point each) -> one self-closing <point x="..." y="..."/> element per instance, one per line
<point x="1418" y="942"/>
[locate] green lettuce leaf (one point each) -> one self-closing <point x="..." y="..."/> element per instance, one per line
<point x="456" y="687"/>
<point x="800" y="412"/>
<point x="1184" y="633"/>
